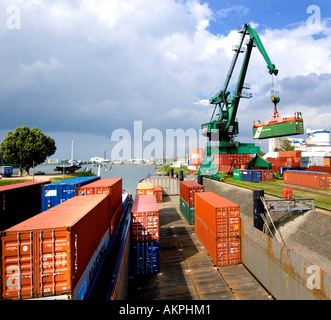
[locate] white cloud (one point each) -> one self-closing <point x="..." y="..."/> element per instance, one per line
<point x="233" y="10"/>
<point x="103" y="64"/>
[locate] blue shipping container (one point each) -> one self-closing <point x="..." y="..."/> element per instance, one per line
<point x="6" y="171"/>
<point x="251" y="175"/>
<point x="54" y="193"/>
<point x="145" y="257"/>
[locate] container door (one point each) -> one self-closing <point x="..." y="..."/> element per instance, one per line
<point x="17" y="266"/>
<point x="53" y="263"/>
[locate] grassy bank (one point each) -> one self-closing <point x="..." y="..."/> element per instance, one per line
<point x="166" y="169"/>
<point x="60" y="177"/>
<point x="275" y="188"/>
<point x="73" y="175"/>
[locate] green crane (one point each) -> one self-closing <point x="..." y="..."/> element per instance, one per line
<point x="225" y="127"/>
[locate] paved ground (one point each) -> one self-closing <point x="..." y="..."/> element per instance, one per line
<point x="186" y="270"/>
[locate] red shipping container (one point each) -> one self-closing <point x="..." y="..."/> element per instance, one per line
<point x="267" y="175"/>
<point x="319" y="169"/>
<point x="145" y="219"/>
<point x="111" y="186"/>
<point x="223" y="250"/>
<point x="311" y="179"/>
<point x="187" y="189"/>
<point x="47" y="254"/>
<point x="220" y="216"/>
<point x="158" y="194"/>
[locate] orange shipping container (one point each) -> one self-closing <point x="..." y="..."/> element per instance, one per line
<point x="311" y="179"/>
<point x="289" y="154"/>
<point x="48" y="254"/>
<point x="223" y="250"/>
<point x="220" y="216"/>
<point x="145" y="188"/>
<point x="111" y="186"/>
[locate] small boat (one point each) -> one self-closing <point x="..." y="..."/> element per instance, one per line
<point x="72" y="168"/>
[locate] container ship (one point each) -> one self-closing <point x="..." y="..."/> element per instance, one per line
<point x="173" y="240"/>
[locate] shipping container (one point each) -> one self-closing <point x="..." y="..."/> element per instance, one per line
<point x="145" y="188"/>
<point x="145" y="219"/>
<point x="251" y="175"/>
<point x="19" y="202"/>
<point x="220" y="216"/>
<point x="223" y="250"/>
<point x="58" y="192"/>
<point x="267" y="175"/>
<point x="289" y="154"/>
<point x="6" y="171"/>
<point x="311" y="179"/>
<point x="158" y="194"/>
<point x="304" y="162"/>
<point x="287" y="128"/>
<point x="54" y="253"/>
<point x="237" y="174"/>
<point x="188" y="189"/>
<point x="326" y="161"/>
<point x="144" y="257"/>
<point x="325" y="169"/>
<point x="187" y="211"/>
<point x="111" y="186"/>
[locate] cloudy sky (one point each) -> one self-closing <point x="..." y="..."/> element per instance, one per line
<point x="84" y="70"/>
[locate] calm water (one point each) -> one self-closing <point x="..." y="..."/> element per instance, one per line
<point x="130" y="174"/>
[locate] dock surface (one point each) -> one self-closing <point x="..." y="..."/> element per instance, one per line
<point x="186" y="270"/>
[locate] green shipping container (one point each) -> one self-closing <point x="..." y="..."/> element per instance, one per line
<point x="279" y="130"/>
<point x="187" y="211"/>
<point x="237" y="174"/>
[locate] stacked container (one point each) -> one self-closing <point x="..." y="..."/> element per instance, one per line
<point x="19" y="202"/>
<point x="186" y="199"/>
<point x="158" y="193"/>
<point x="224" y="161"/>
<point x="217" y="225"/>
<point x="145" y="235"/>
<point x="145" y="188"/>
<point x="111" y="186"/>
<point x="58" y="192"/>
<point x="55" y="252"/>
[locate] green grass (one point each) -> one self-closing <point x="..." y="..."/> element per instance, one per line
<point x="73" y="175"/>
<point x="8" y="182"/>
<point x="275" y="188"/>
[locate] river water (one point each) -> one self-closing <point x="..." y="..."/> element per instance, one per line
<point x="130" y="174"/>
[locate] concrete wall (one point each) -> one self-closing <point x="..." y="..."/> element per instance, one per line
<point x="282" y="272"/>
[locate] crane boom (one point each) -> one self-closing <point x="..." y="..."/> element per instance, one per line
<point x="226" y="125"/>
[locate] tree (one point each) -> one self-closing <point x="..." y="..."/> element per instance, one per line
<point x="27" y="147"/>
<point x="286" y="146"/>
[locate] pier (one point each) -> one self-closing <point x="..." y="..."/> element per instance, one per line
<point x="186" y="270"/>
